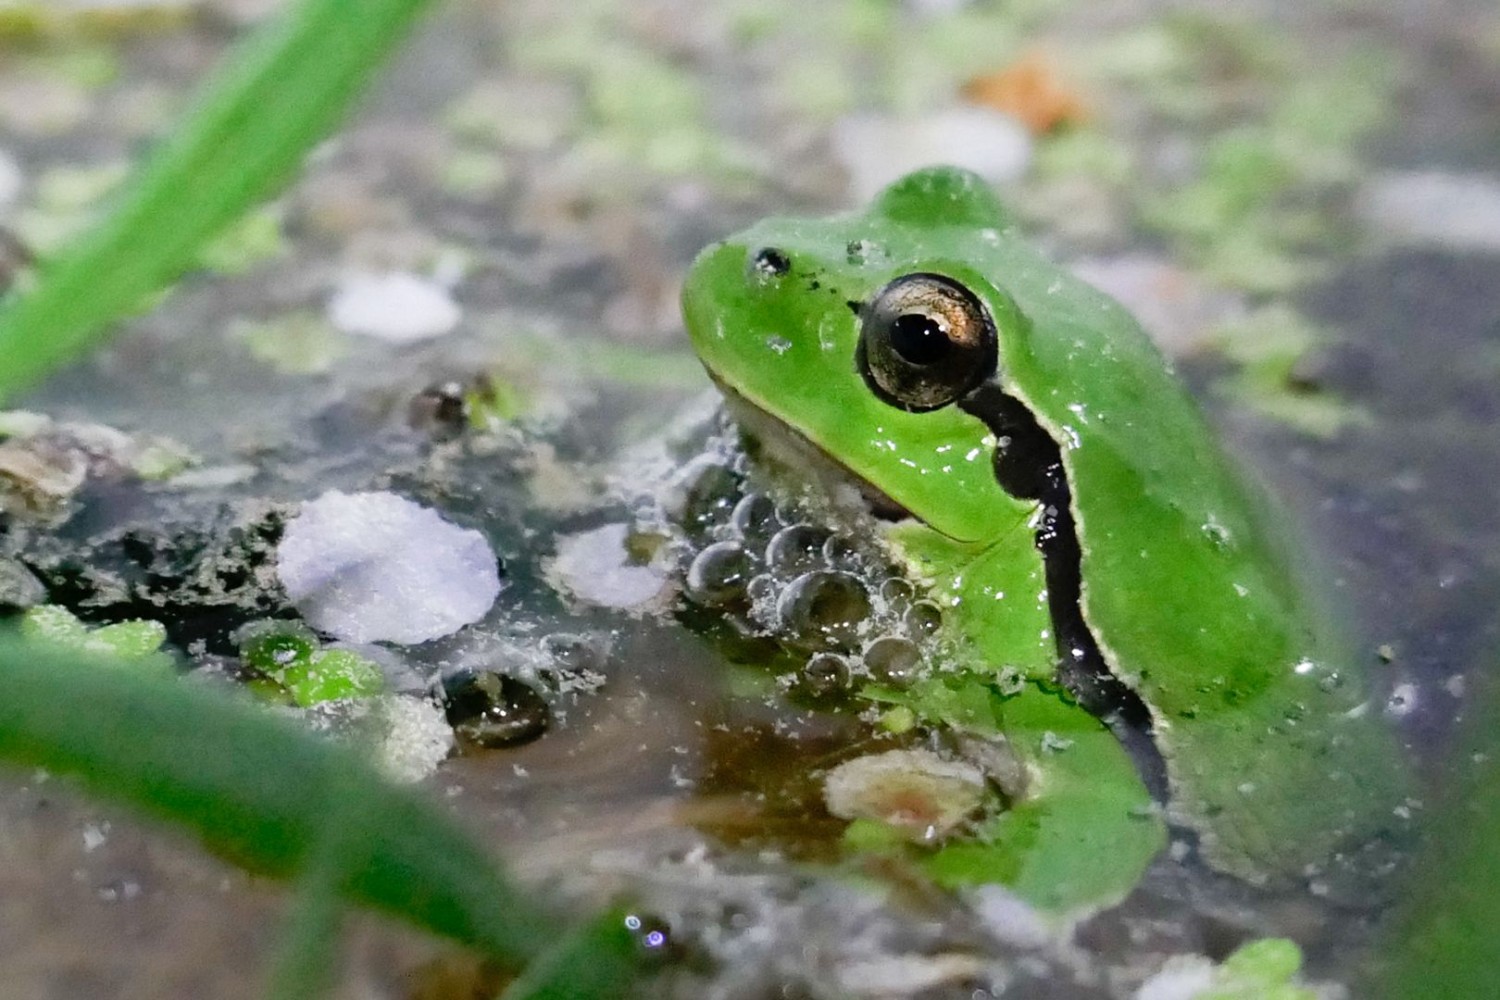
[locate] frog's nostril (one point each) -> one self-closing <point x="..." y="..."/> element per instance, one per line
<point x="769" y="262"/>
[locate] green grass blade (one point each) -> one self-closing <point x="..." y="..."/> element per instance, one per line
<point x="1442" y="943"/>
<point x="597" y="961"/>
<point x="258" y="791"/>
<point x="279" y="93"/>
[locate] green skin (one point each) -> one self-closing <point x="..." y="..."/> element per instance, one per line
<point x="1189" y="587"/>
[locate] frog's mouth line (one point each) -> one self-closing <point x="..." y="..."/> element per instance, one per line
<point x="785" y="445"/>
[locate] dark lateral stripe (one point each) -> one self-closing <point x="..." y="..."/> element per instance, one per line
<point x="1028" y="465"/>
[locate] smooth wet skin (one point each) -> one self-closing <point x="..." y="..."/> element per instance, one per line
<point x="1070" y="509"/>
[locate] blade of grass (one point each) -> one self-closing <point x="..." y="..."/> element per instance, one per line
<point x="1441" y="942"/>
<point x="598" y="959"/>
<point x="279" y="93"/>
<point x="258" y="791"/>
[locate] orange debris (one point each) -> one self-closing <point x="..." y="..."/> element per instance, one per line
<point x="1031" y="91"/>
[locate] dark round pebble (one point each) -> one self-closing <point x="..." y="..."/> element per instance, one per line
<point x="824" y="609"/>
<point x="796" y="549"/>
<point x="441" y="410"/>
<point x="720" y="574"/>
<point x="491" y="710"/>
<point x="893" y="659"/>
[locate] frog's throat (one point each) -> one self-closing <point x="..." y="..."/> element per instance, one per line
<point x="785" y="445"/>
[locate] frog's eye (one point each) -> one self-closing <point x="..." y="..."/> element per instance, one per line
<point x="924" y="342"/>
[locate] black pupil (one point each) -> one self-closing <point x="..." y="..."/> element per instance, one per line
<point x="919" y="339"/>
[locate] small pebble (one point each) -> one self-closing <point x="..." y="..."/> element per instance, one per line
<point x="1459" y="211"/>
<point x="376" y="567"/>
<point x="491" y="710"/>
<point x="597" y="567"/>
<point x="916" y="791"/>
<point x="397" y="307"/>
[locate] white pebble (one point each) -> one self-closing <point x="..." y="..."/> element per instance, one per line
<point x="417" y="739"/>
<point x="1434" y="207"/>
<point x="1009" y="918"/>
<point x="376" y="567"/>
<point x="596" y="567"/>
<point x="1181" y="977"/>
<point x="876" y="150"/>
<point x="397" y="307"/>
<point x="11" y="180"/>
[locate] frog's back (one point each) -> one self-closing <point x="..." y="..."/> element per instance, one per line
<point x="1195" y="589"/>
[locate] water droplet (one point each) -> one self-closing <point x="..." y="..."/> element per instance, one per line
<point x="1218" y="535"/>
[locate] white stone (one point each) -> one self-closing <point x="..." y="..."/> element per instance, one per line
<point x="376" y="567"/>
<point x="1009" y="918"/>
<point x="876" y="150"/>
<point x="596" y="568"/>
<point x="417" y="738"/>
<point x="11" y="180"/>
<point x="396" y="306"/>
<point x="1458" y="211"/>
<point x="1181" y="977"/>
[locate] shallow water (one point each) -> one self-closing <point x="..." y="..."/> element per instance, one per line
<point x="504" y="153"/>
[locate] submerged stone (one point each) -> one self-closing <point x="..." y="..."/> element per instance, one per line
<point x="490" y="710"/>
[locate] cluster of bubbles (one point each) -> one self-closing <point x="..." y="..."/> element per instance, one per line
<point x="828" y="597"/>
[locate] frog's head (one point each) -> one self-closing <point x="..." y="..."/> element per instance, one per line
<point x="861" y="334"/>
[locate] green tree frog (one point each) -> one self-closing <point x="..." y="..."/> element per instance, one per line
<point x="1038" y="465"/>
